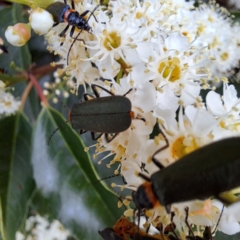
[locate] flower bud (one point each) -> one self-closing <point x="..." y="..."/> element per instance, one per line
<point x="41" y="21"/>
<point x="18" y="34"/>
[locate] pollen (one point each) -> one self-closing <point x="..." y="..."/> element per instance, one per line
<point x="120" y="204"/>
<point x="170" y="69"/>
<point x="183" y="146"/>
<point x="112" y="40"/>
<point x="8" y="104"/>
<point x="222" y="124"/>
<point x="224" y="56"/>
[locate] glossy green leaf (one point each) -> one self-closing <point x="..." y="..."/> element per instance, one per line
<point x="67" y="181"/>
<point x="16" y="182"/>
<point x="222" y="236"/>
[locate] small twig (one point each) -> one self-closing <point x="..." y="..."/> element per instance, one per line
<point x="25" y="95"/>
<point x="38" y="89"/>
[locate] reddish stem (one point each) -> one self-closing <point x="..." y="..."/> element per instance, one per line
<point x="38" y="89"/>
<point x="25" y="95"/>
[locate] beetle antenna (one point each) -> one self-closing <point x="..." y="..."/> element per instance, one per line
<point x="173" y="226"/>
<point x="99" y="180"/>
<point x="60" y="100"/>
<point x="60" y="126"/>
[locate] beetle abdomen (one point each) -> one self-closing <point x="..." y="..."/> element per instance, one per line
<point x="57" y="9"/>
<point x="111" y="123"/>
<point x="205" y="172"/>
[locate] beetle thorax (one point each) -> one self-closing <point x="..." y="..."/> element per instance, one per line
<point x="145" y="197"/>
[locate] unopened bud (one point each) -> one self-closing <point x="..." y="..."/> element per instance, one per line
<point x="18" y="34"/>
<point x="41" y="21"/>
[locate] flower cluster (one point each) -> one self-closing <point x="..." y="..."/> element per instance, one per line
<point x="8" y="104"/>
<point x="163" y="53"/>
<point x="38" y="227"/>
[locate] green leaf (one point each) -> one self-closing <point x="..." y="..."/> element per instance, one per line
<point x="16" y="182"/>
<point x="222" y="236"/>
<point x="67" y="180"/>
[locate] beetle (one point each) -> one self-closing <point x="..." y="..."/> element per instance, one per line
<point x="124" y="229"/>
<point x="62" y="12"/>
<point x="107" y="115"/>
<point x="109" y="234"/>
<point x="206" y="172"/>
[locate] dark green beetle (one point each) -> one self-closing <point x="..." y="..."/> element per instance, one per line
<point x="205" y="172"/>
<point x="108" y="115"/>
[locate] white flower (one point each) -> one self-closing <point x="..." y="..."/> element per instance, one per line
<point x="73" y="53"/>
<point x="41" y="21"/>
<point x="8" y="105"/>
<point x="156" y="54"/>
<point x="224" y="48"/>
<point x="176" y="64"/>
<point x="229" y="222"/>
<point x="40" y="228"/>
<point x="226" y="109"/>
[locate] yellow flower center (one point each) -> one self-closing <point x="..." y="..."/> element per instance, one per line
<point x="111" y="40"/>
<point x="120" y="151"/>
<point x="222" y="124"/>
<point x="141" y="14"/>
<point x="170" y="69"/>
<point x="8" y="104"/>
<point x="224" y="56"/>
<point x="183" y="146"/>
<point x="201" y="28"/>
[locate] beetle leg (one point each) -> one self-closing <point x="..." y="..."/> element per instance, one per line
<point x="84" y="13"/>
<point x="144" y="177"/>
<point x="168" y="208"/>
<point x="88" y="97"/>
<point x="72" y="32"/>
<point x="109" y="137"/>
<point x="186" y="221"/>
<point x="159" y="227"/>
<point x="96" y="92"/>
<point x="72" y="4"/>
<point x="127" y="92"/>
<point x="157" y="163"/>
<point x="82" y="131"/>
<point x="92" y="13"/>
<point x="173" y="226"/>
<point x="64" y="31"/>
<point x="55" y="24"/>
<point x="124" y="180"/>
<point x="96" y="137"/>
